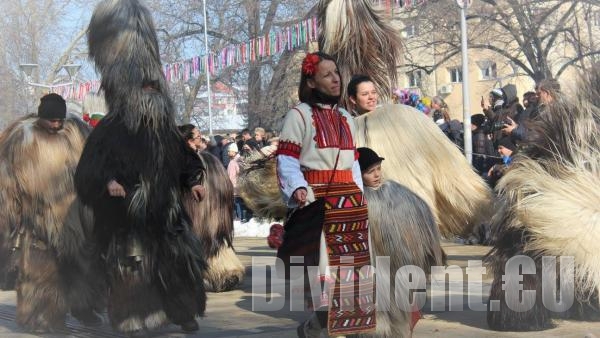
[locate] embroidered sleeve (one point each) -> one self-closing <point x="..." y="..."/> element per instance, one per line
<point x="290" y="178"/>
<point x="289" y="175"/>
<point x="292" y="134"/>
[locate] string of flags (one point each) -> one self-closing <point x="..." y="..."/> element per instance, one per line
<point x="77" y="91"/>
<point x="275" y="42"/>
<point x="287" y="39"/>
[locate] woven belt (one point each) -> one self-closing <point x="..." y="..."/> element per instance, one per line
<point x="323" y="176"/>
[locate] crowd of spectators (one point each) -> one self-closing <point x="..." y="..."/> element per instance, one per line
<point x="230" y="149"/>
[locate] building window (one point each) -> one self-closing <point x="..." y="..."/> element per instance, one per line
<point x="488" y="70"/>
<point x="414" y="78"/>
<point x="455" y="74"/>
<point x="410" y="31"/>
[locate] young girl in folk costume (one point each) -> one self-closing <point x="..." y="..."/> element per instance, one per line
<point x="402" y="228"/>
<point x="317" y="158"/>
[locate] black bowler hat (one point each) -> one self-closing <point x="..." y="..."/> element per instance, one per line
<point x="367" y="157"/>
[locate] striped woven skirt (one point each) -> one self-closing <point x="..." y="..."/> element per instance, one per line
<point x="351" y="297"/>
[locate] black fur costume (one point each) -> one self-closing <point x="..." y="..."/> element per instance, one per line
<point x="154" y="264"/>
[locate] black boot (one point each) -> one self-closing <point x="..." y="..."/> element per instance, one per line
<point x="190" y="326"/>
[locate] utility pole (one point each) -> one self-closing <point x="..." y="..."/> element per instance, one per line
<point x="207" y="55"/>
<point x="468" y="146"/>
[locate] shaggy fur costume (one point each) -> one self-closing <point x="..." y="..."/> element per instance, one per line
<point x="153" y="261"/>
<point x="43" y="231"/>
<point x="258" y="184"/>
<point x="402" y="227"/>
<point x="418" y="155"/>
<point x="362" y="40"/>
<point x="549" y="205"/>
<point x="213" y="224"/>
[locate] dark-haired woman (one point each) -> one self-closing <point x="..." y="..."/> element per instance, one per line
<point x="317" y="158"/>
<point x="362" y="94"/>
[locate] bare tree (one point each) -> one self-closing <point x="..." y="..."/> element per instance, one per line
<point x="35" y="31"/>
<point x="181" y="28"/>
<point x="541" y="38"/>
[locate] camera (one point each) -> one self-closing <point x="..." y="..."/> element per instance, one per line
<point x="490" y="127"/>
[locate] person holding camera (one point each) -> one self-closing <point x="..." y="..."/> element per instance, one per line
<point x="517" y="128"/>
<point x="507" y="149"/>
<point x="503" y="112"/>
<point x="546" y="92"/>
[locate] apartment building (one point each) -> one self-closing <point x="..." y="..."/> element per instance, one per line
<point x="433" y="63"/>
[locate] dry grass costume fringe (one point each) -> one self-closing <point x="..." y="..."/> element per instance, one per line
<point x="42" y="232"/>
<point x="419" y="156"/>
<point x="362" y="40"/>
<point x="213" y="224"/>
<point x="154" y="263"/>
<point x="401" y="227"/>
<point x="549" y="205"/>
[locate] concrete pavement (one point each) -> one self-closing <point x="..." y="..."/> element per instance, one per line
<point x="231" y="314"/>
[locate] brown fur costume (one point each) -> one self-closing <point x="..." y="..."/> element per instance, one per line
<point x="549" y="205"/>
<point x="362" y="40"/>
<point x="212" y="221"/>
<point x="42" y="229"/>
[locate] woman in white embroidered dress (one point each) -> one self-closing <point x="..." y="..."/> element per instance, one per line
<point x="317" y="147"/>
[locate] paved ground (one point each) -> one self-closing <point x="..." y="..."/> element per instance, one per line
<point x="231" y="314"/>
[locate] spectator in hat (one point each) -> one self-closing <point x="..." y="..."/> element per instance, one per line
<point x="507" y="149"/>
<point x="496" y="99"/>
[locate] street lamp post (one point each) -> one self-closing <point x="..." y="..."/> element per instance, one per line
<point x="29" y="68"/>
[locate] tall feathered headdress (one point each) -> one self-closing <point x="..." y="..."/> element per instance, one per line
<point x="362" y="40"/>
<point x="123" y="44"/>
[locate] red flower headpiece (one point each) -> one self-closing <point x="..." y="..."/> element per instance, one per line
<point x="309" y="64"/>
